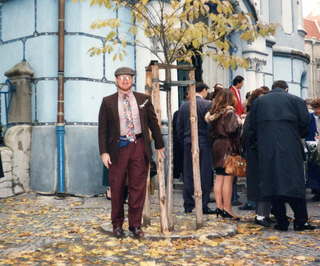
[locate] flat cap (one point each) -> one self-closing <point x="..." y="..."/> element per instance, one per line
<point x="124" y="71"/>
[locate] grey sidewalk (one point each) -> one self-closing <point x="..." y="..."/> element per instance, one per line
<point x="42" y="230"/>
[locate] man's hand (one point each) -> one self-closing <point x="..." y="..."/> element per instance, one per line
<point x="161" y="153"/>
<point x="105" y="157"/>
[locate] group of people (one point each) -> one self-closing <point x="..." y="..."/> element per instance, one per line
<point x="267" y="131"/>
<point x="268" y="134"/>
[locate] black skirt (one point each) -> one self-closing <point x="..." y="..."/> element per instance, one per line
<point x="220" y="171"/>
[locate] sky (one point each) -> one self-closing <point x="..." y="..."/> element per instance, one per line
<point x="308" y="6"/>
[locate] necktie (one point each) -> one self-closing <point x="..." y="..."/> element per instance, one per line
<point x="129" y="119"/>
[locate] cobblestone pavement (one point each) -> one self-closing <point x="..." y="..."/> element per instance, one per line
<point x="42" y="230"/>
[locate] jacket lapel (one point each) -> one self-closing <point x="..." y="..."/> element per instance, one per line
<point x="115" y="110"/>
<point x="140" y="101"/>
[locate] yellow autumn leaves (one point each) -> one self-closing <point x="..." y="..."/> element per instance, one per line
<point x="177" y="26"/>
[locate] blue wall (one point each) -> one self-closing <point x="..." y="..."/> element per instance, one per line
<point x="33" y="37"/>
<point x="29" y="32"/>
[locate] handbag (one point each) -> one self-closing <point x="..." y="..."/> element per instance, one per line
<point x="235" y="165"/>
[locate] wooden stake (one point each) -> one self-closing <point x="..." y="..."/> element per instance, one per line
<point x="170" y="154"/>
<point x="160" y="161"/>
<point x="195" y="152"/>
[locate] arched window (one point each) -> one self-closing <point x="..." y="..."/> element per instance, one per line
<point x="287" y="16"/>
<point x="304" y="86"/>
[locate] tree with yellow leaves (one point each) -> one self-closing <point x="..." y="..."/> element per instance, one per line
<point x="179" y="30"/>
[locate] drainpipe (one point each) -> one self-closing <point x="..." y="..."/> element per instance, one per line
<point x="60" y="126"/>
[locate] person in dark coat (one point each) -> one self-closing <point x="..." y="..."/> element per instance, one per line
<point x="184" y="134"/>
<point x="177" y="148"/>
<point x="225" y="127"/>
<point x="278" y="121"/>
<point x="313" y="179"/>
<point x="177" y="145"/>
<point x="249" y="205"/>
<point x="262" y="207"/>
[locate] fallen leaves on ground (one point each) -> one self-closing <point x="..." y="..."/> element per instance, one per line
<point x="41" y="231"/>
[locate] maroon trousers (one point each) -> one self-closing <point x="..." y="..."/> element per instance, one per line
<point x="131" y="163"/>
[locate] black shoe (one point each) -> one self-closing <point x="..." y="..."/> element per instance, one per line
<point x="227" y="215"/>
<point x="188" y="210"/>
<point x="281" y="227"/>
<point x="264" y="222"/>
<point x="118" y="232"/>
<point x="236" y="203"/>
<point x="316" y="198"/>
<point x="136" y="232"/>
<point x="219" y="212"/>
<point x="247" y="207"/>
<point x="303" y="227"/>
<point x="270" y="220"/>
<point x="208" y="211"/>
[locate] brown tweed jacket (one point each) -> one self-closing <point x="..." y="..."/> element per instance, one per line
<point x="109" y="125"/>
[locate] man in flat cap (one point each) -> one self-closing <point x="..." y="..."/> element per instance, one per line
<point x="125" y="119"/>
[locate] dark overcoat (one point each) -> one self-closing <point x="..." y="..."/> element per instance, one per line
<point x="313" y="179"/>
<point x="109" y="125"/>
<point x="184" y="125"/>
<point x="278" y="122"/>
<point x="177" y="148"/>
<point x="251" y="155"/>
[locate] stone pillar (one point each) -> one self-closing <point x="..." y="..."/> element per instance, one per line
<point x="20" y="109"/>
<point x="254" y="73"/>
<point x="18" y="137"/>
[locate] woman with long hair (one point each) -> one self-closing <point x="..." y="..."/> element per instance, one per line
<point x="225" y="129"/>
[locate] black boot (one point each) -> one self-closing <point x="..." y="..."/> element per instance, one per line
<point x="303" y="227"/>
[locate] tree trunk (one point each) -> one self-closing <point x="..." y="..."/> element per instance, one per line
<point x="195" y="152"/>
<point x="169" y="153"/>
<point x="160" y="161"/>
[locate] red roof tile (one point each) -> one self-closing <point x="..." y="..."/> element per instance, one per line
<point x="311" y="28"/>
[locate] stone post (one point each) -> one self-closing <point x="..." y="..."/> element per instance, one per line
<point x="18" y="137"/>
<point x="20" y="109"/>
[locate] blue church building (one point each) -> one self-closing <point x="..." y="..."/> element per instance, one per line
<point x="29" y="34"/>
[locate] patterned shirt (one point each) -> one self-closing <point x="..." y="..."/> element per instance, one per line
<point x="135" y="113"/>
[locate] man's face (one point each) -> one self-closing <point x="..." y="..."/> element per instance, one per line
<point x="205" y="93"/>
<point x="124" y="82"/>
<point x="240" y="85"/>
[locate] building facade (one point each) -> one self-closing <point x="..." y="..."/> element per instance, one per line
<point x="312" y="47"/>
<point x="29" y="33"/>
